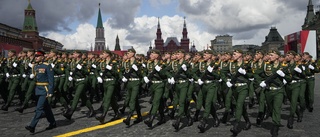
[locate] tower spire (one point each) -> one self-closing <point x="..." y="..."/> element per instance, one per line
<point x="99" y="22"/>
<point x="158" y="23"/>
<point x="310" y="15"/>
<point x="99" y="40"/>
<point x="184" y="23"/>
<point x="117" y="46"/>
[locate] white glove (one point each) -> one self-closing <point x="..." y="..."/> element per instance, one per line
<point x="191" y="80"/>
<point x="311" y="67"/>
<point x="8" y="75"/>
<point x="31" y="76"/>
<point x="79" y="66"/>
<point x="169" y="81"/>
<point x="24" y="75"/>
<point x="251" y="79"/>
<point x="303" y="67"/>
<point x="158" y="68"/>
<point x="200" y="82"/>
<point x="209" y="68"/>
<point x="172" y="80"/>
<point x="124" y="79"/>
<point x="49" y="95"/>
<point x="108" y="67"/>
<point x="144" y="65"/>
<point x="220" y="80"/>
<point x="146" y="79"/>
<point x="298" y="69"/>
<point x="280" y="73"/>
<point x="52" y="65"/>
<point x="184" y="67"/>
<point x="229" y="84"/>
<point x="263" y="84"/>
<point x="94" y="66"/>
<point x="14" y="64"/>
<point x="101" y="74"/>
<point x="30" y="65"/>
<point x="242" y="71"/>
<point x="71" y="73"/>
<point x="70" y="78"/>
<point x="284" y="81"/>
<point x="99" y="79"/>
<point x="134" y="66"/>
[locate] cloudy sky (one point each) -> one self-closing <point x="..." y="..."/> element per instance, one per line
<point x="73" y="22"/>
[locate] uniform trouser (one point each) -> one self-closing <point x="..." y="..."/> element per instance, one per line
<point x="228" y="99"/>
<point x="302" y="100"/>
<point x="274" y="100"/>
<point x="109" y="98"/>
<point x="80" y="93"/>
<point x="157" y="91"/>
<point x="240" y="93"/>
<point x="29" y="93"/>
<point x="310" y="92"/>
<point x="92" y="85"/>
<point x="251" y="89"/>
<point x="262" y="100"/>
<point x="210" y="98"/>
<point x="133" y="91"/>
<point x="200" y="97"/>
<point x="190" y="91"/>
<point x="181" y="90"/>
<point x="3" y="92"/>
<point x="293" y="95"/>
<point x="13" y="86"/>
<point x="42" y="106"/>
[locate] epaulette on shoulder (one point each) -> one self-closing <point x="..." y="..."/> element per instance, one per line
<point x="84" y="62"/>
<point x="201" y="60"/>
<point x="45" y="63"/>
<point x="114" y="61"/>
<point x="267" y="62"/>
<point x="284" y="64"/>
<point x="231" y="60"/>
<point x="313" y="61"/>
<point x="246" y="62"/>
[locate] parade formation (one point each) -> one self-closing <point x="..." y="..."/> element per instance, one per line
<point x="173" y="81"/>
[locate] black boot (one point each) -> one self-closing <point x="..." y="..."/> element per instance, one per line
<point x="171" y="114"/>
<point x="260" y="119"/>
<point x="150" y="121"/>
<point x="274" y="131"/>
<point x="251" y="102"/>
<point x="290" y="122"/>
<point x="20" y="109"/>
<point x="202" y="126"/>
<point x="91" y="112"/>
<point x="68" y="114"/>
<point x="176" y="124"/>
<point x="300" y="115"/>
<point x="190" y="120"/>
<point x="101" y="117"/>
<point x="122" y="109"/>
<point x="225" y="117"/>
<point x="162" y="119"/>
<point x="139" y="118"/>
<point x="5" y="107"/>
<point x="127" y="120"/>
<point x="196" y="116"/>
<point x="248" y="123"/>
<point x="116" y="115"/>
<point x="216" y="122"/>
<point x="235" y="129"/>
<point x="31" y="129"/>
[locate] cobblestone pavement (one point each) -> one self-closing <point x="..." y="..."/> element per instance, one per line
<point x="12" y="124"/>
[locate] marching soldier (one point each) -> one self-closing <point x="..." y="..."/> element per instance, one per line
<point x="78" y="73"/>
<point x="132" y="76"/>
<point x="3" y="83"/>
<point x="13" y="71"/>
<point x="106" y="73"/>
<point x="44" y="89"/>
<point x="92" y="79"/>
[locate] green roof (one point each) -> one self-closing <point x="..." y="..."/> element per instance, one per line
<point x="99" y="23"/>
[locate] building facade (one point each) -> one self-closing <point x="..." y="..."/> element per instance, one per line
<point x="273" y="41"/>
<point x="222" y="43"/>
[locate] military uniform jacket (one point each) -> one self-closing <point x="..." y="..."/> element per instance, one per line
<point x="257" y="71"/>
<point x="231" y="71"/>
<point x="309" y="72"/>
<point x="270" y="70"/>
<point x="78" y="73"/>
<point x="104" y="73"/>
<point x="128" y="71"/>
<point x="177" y="72"/>
<point x="44" y="74"/>
<point x="201" y="72"/>
<point x="152" y="73"/>
<point x="14" y="70"/>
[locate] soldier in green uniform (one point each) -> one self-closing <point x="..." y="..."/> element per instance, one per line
<point x="310" y="70"/>
<point x="106" y="73"/>
<point x="154" y="74"/>
<point x="92" y="79"/>
<point x="240" y="75"/>
<point x="132" y="77"/>
<point x="293" y="87"/>
<point x="274" y="88"/>
<point x="44" y="89"/>
<point x="13" y="71"/>
<point x="29" y="81"/>
<point x="181" y="75"/>
<point x="209" y="79"/>
<point x="257" y="71"/>
<point x="3" y="83"/>
<point x="78" y="74"/>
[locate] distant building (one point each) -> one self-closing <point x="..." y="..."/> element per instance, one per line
<point x="312" y="22"/>
<point x="172" y="44"/>
<point x="273" y="41"/>
<point x="28" y="37"/>
<point x="222" y="43"/>
<point x="247" y="47"/>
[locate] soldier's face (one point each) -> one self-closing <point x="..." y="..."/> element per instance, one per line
<point x="206" y="56"/>
<point x="236" y="55"/>
<point x="39" y="58"/>
<point x="273" y="56"/>
<point x="29" y="54"/>
<point x="297" y="58"/>
<point x="179" y="55"/>
<point x="289" y="57"/>
<point x="153" y="56"/>
<point x="10" y="54"/>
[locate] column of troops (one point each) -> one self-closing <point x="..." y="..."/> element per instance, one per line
<point x="173" y="80"/>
